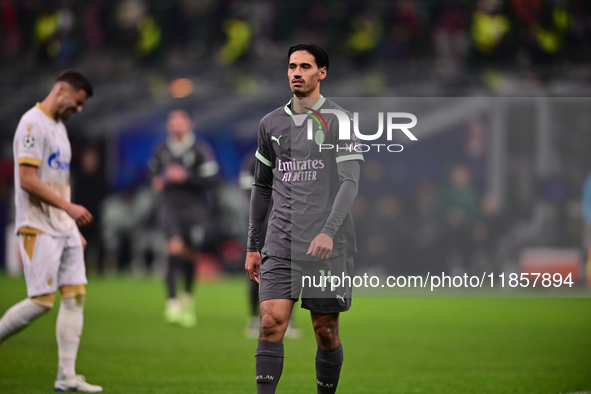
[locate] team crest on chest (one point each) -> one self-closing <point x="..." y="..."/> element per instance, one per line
<point x="319" y="137"/>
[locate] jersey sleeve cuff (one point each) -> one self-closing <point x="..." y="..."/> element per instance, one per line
<point x="263" y="160"/>
<point x="349" y="157"/>
<point x="29" y="161"/>
<point x="328" y="231"/>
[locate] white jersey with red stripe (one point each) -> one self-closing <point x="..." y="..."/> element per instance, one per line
<point x="42" y="142"/>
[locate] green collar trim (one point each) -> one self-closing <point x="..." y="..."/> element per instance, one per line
<point x="316" y="106"/>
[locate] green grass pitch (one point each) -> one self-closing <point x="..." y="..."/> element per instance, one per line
<point x="439" y="346"/>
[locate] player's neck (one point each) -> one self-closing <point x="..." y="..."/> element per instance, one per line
<point x="50" y="106"/>
<point x="301" y="105"/>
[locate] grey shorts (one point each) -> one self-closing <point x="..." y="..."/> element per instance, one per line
<point x="286" y="279"/>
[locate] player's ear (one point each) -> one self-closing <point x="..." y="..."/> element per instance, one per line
<point x="323" y="72"/>
<point x="62" y="87"/>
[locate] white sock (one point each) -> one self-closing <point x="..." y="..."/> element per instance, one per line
<point x="66" y="368"/>
<point x="18" y="317"/>
<point x="68" y="331"/>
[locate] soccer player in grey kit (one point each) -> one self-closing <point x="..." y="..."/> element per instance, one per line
<point x="310" y="229"/>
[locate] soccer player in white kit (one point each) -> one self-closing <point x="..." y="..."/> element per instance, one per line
<point x="50" y="244"/>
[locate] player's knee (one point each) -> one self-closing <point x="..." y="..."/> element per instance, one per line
<point x="327" y="332"/>
<point x="77" y="293"/>
<point x="45" y="301"/>
<point x="271" y="325"/>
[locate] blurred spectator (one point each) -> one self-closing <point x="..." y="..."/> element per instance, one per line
<point x="193" y="26"/>
<point x="238" y="37"/>
<point x="548" y="35"/>
<point x="362" y="42"/>
<point x="89" y="190"/>
<point x="365" y="32"/>
<point x="129" y="232"/>
<point x="9" y="25"/>
<point x="458" y="206"/>
<point x="525" y="10"/>
<point x="54" y="35"/>
<point x="580" y="48"/>
<point x="586" y="201"/>
<point x="403" y="30"/>
<point x="490" y="34"/>
<point x="450" y="38"/>
<point x="587" y="226"/>
<point x="388" y="245"/>
<point x="141" y="33"/>
<point x="6" y="184"/>
<point x="92" y="26"/>
<point x="488" y="231"/>
<point x="427" y="232"/>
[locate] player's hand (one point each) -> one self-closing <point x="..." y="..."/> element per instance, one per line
<point x="79" y="214"/>
<point x="321" y="246"/>
<point x="158" y="183"/>
<point x="253" y="265"/>
<point x="176" y="173"/>
<point x="84" y="242"/>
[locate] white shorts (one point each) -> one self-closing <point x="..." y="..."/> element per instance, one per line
<point x="51" y="262"/>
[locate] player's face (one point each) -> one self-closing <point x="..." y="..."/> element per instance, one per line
<point x="70" y="100"/>
<point x="304" y="75"/>
<point x="179" y="124"/>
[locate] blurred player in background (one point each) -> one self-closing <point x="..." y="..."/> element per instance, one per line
<point x="310" y="210"/>
<point x="586" y="200"/>
<point x="185" y="170"/>
<point x="51" y="247"/>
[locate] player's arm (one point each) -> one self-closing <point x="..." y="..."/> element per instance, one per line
<point x="260" y="199"/>
<point x="321" y="246"/>
<point x="155" y="166"/>
<point x="206" y="176"/>
<point x="205" y="173"/>
<point x="33" y="185"/>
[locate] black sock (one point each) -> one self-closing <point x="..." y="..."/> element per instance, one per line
<point x="189" y="274"/>
<point x="328" y="369"/>
<point x="268" y="366"/>
<point x="174" y="263"/>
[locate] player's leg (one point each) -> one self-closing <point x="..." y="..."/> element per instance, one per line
<point x="24" y="313"/>
<point x="188" y="318"/>
<point x="329" y="354"/>
<point x="40" y="270"/>
<point x="325" y="304"/>
<point x="174" y="252"/>
<point x="274" y="319"/>
<point x="269" y="354"/>
<point x="275" y="309"/>
<point x="70" y="318"/>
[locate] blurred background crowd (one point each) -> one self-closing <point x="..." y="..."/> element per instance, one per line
<point x="473" y="193"/>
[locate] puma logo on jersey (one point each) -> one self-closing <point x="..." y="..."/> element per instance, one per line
<point x="273" y="138"/>
<point x="342" y="298"/>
